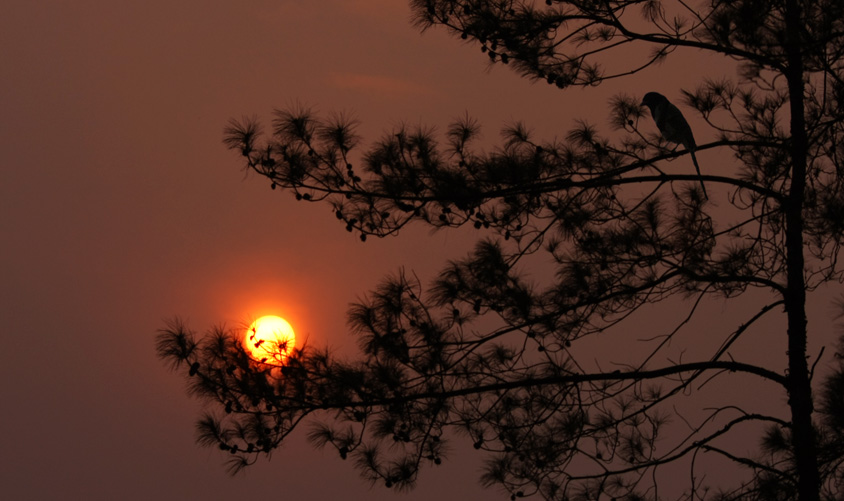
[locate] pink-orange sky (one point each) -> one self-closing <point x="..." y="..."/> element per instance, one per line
<point x="120" y="208"/>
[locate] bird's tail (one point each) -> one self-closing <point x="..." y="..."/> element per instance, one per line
<point x="697" y="168"/>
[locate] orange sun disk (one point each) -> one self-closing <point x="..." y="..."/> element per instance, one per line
<point x="270" y="339"/>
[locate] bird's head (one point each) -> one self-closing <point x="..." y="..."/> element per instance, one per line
<point x="652" y="99"/>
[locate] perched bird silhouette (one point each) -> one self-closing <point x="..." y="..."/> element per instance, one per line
<point x="672" y="125"/>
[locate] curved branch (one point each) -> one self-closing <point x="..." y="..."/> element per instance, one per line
<point x="720" y="365"/>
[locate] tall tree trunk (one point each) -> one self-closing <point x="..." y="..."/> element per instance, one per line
<point x="799" y="385"/>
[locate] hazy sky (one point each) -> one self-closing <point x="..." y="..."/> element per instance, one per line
<point x="120" y="208"/>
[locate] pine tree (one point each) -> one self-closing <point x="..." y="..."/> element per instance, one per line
<point x="625" y="234"/>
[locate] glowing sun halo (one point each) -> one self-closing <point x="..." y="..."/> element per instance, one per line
<point x="269" y="339"/>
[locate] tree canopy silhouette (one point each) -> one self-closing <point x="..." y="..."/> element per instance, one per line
<point x="506" y="360"/>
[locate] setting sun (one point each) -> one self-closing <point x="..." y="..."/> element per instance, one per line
<point x="269" y="339"/>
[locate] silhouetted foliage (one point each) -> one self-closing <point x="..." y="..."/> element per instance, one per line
<point x="507" y="361"/>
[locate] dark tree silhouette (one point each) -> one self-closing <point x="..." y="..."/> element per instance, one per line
<point x="507" y="361"/>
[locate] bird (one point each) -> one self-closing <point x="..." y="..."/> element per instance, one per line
<point x="672" y="125"/>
